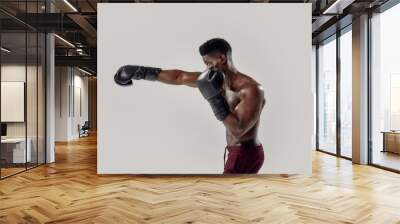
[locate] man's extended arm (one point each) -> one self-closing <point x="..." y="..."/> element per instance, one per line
<point x="178" y="77"/>
<point x="127" y="73"/>
<point x="246" y="113"/>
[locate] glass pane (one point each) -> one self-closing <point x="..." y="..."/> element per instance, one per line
<point x="31" y="100"/>
<point x="346" y="93"/>
<point x="327" y="97"/>
<point x="13" y="86"/>
<point x="22" y="89"/>
<point x="41" y="98"/>
<point x="386" y="89"/>
<point x="31" y="86"/>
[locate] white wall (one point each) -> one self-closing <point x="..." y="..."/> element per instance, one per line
<point x="80" y="83"/>
<point x="151" y="127"/>
<point x="68" y="81"/>
<point x="61" y="103"/>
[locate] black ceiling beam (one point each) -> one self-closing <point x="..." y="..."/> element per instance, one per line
<point x="323" y="23"/>
<point x="82" y="61"/>
<point x="382" y="6"/>
<point x="338" y="24"/>
<point x="91" y="5"/>
<point x="49" y="22"/>
<point x="7" y="24"/>
<point x="8" y="16"/>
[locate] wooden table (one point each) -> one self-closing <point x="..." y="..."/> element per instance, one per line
<point x="391" y="141"/>
<point x="13" y="150"/>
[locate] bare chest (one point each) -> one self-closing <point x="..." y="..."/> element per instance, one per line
<point x="232" y="98"/>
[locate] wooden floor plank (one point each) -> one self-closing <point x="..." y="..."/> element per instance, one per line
<point x="70" y="191"/>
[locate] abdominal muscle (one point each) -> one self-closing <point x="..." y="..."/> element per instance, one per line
<point x="250" y="138"/>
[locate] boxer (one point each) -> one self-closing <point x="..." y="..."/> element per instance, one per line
<point x="235" y="98"/>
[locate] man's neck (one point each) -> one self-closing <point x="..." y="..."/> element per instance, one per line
<point x="230" y="76"/>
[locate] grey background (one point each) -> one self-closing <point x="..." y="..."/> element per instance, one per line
<point x="151" y="127"/>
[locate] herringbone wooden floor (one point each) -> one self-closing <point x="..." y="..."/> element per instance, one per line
<point x="70" y="191"/>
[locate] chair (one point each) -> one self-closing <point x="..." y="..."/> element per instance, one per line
<point x="84" y="130"/>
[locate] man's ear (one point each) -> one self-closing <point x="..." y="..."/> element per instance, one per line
<point x="224" y="59"/>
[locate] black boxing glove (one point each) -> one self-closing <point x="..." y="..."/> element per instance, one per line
<point x="126" y="73"/>
<point x="210" y="85"/>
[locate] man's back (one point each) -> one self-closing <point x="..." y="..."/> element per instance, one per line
<point x="244" y="88"/>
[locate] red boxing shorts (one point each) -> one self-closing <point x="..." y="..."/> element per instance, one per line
<point x="243" y="160"/>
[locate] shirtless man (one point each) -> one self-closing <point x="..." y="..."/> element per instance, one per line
<point x="235" y="98"/>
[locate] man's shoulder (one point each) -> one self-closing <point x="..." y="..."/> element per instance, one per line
<point x="251" y="89"/>
<point x="248" y="84"/>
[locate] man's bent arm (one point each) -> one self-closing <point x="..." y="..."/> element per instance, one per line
<point x="178" y="77"/>
<point x="246" y="113"/>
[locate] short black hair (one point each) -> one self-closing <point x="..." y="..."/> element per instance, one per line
<point x="215" y="45"/>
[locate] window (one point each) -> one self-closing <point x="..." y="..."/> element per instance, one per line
<point x="385" y="88"/>
<point x="346" y="93"/>
<point x="327" y="96"/>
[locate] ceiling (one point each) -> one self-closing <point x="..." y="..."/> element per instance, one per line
<point x="76" y="21"/>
